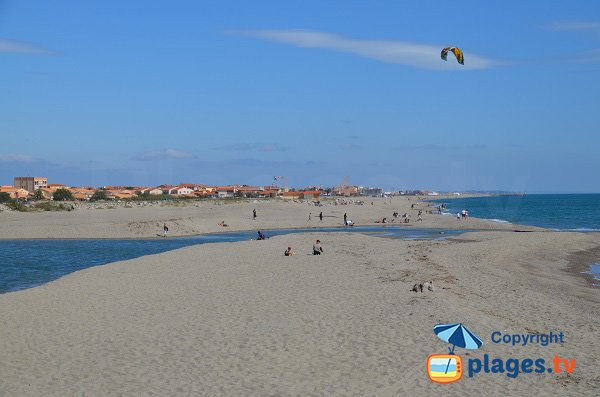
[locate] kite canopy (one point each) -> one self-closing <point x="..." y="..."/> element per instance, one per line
<point x="457" y="53"/>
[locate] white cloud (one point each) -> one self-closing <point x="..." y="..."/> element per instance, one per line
<point x="23" y="48"/>
<point x="164" y="154"/>
<point x="15" y="158"/>
<point x="577" y="26"/>
<point x="425" y="56"/>
<point x="258" y="147"/>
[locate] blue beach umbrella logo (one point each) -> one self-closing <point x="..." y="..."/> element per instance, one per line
<point x="457" y="335"/>
<point x="447" y="368"/>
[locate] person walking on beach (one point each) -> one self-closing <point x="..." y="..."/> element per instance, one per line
<point x="309" y="216"/>
<point x="254" y="214"/>
<point x="165" y="230"/>
<point x="345" y="218"/>
<point x="458" y="216"/>
<point x="321" y="216"/>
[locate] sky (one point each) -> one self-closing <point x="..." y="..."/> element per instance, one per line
<point x="143" y="93"/>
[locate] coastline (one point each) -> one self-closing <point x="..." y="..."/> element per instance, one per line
<point x="239" y="318"/>
<point x="580" y="264"/>
<point x="202" y="218"/>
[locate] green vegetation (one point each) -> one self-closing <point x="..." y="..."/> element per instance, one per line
<point x="62" y="195"/>
<point x="5" y="197"/>
<point x="99" y="194"/>
<point x="18" y="205"/>
<point x="48" y="206"/>
<point x="39" y="195"/>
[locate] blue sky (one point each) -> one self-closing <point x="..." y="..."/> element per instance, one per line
<point x="217" y="92"/>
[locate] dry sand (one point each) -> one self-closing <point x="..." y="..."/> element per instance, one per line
<point x="189" y="218"/>
<point x="240" y="319"/>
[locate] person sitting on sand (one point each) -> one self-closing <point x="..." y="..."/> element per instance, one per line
<point x="317" y="248"/>
<point x="288" y="252"/>
<point x="261" y="236"/>
<point x="222" y="224"/>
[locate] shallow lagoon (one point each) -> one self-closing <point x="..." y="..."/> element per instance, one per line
<point x="29" y="263"/>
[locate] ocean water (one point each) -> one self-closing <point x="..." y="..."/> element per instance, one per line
<point x="576" y="212"/>
<point x="595" y="270"/>
<point x="29" y="263"/>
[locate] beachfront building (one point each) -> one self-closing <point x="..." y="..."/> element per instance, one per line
<point x="14" y="192"/>
<point x="55" y="186"/>
<point x="290" y="195"/>
<point x="225" y="191"/>
<point x="30" y="183"/>
<point x="82" y="193"/>
<point x="250" y="191"/>
<point x="181" y="191"/>
<point x="310" y="195"/>
<point x="346" y="190"/>
<point x="269" y="193"/>
<point x="372" y="191"/>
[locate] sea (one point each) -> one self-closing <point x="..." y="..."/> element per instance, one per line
<point x="561" y="212"/>
<point x="572" y="212"/>
<point x="29" y="263"/>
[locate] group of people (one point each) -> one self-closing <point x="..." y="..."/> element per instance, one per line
<point x="464" y="214"/>
<point x="317" y="249"/>
<point x="320" y="216"/>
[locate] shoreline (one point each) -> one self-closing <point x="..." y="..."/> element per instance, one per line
<point x="228" y="319"/>
<point x="577" y="265"/>
<point x="200" y="219"/>
<point x="315" y="228"/>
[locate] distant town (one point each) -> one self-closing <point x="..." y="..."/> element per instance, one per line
<point x="38" y="188"/>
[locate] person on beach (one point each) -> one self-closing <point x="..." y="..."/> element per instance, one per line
<point x="345" y="218"/>
<point x="317" y="248"/>
<point x="288" y="252"/>
<point x="222" y="224"/>
<point x="254" y="214"/>
<point x="309" y="216"/>
<point x="261" y="236"/>
<point x="165" y="230"/>
<point x="321" y="216"/>
<point x="458" y="216"/>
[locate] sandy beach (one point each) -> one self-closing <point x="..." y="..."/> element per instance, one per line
<point x="240" y="319"/>
<point x="197" y="217"/>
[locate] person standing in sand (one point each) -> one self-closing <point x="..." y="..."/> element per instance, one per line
<point x="309" y="216"/>
<point x="345" y="218"/>
<point x="165" y="230"/>
<point x="254" y="214"/>
<point x="321" y="216"/>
